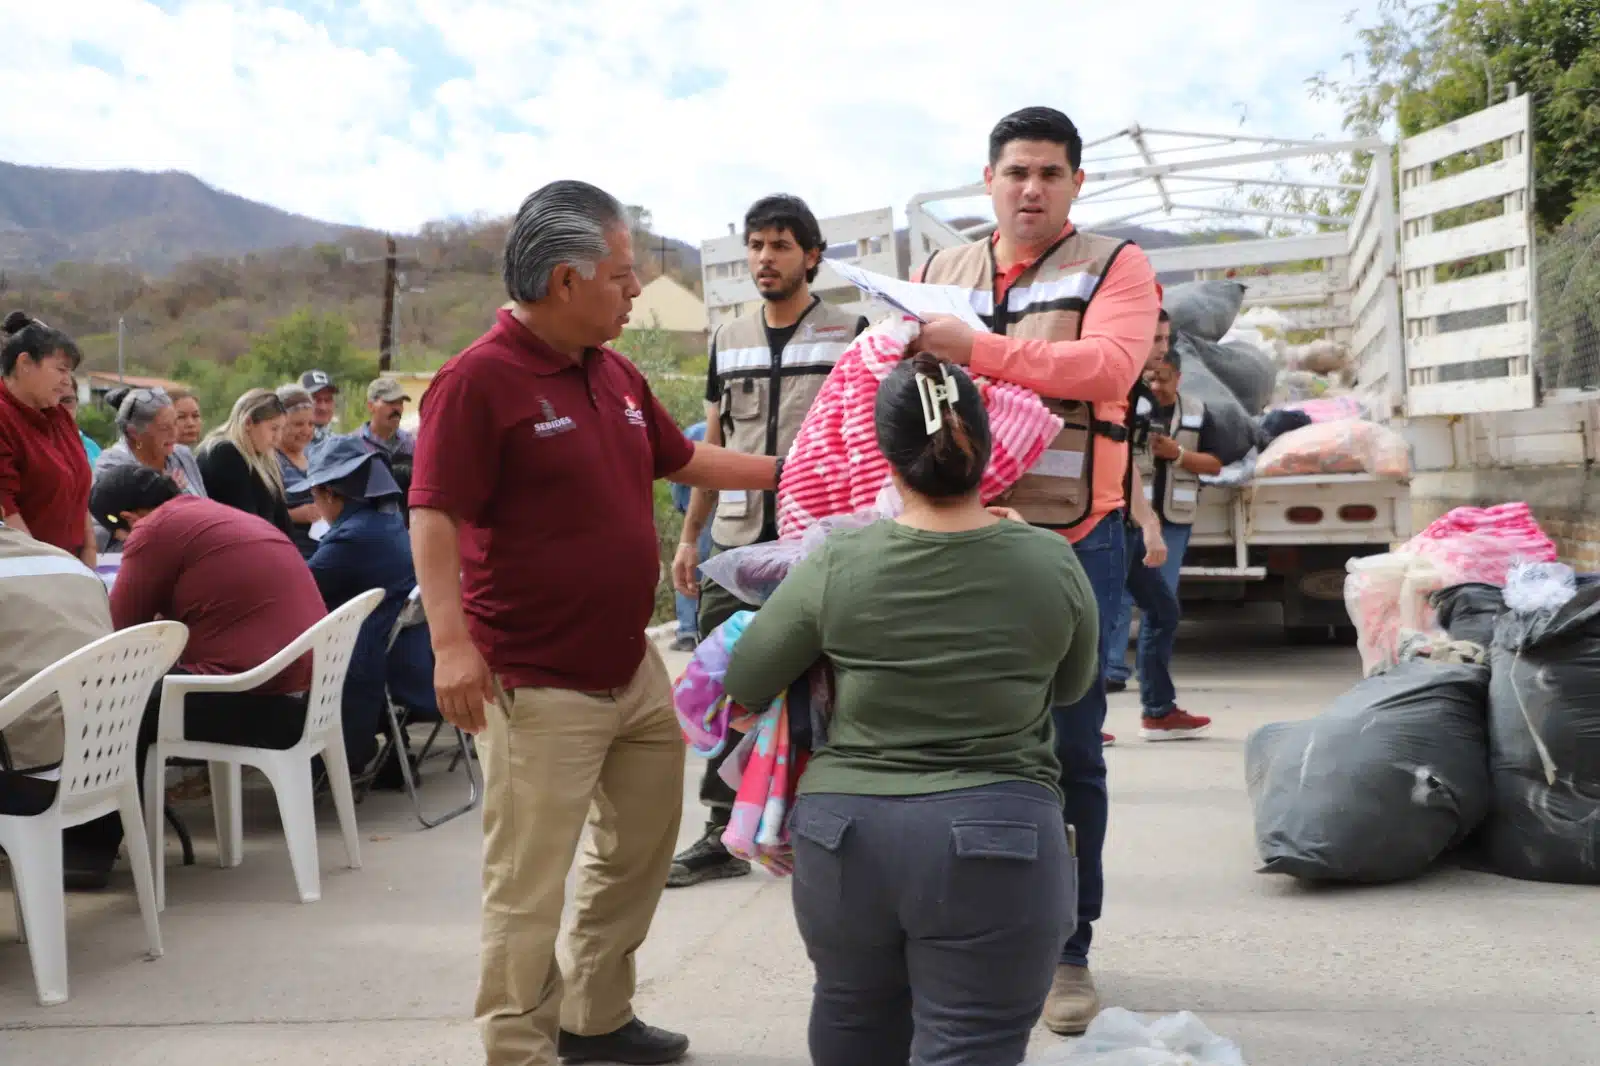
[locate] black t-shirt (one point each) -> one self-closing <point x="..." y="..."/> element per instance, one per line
<point x="1162" y="420"/>
<point x="778" y="339"/>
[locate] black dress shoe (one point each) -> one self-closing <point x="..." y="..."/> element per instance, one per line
<point x="1116" y="686"/>
<point x="635" y="1044"/>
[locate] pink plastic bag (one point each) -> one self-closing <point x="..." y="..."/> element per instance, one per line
<point x="1346" y="446"/>
<point x="1329" y="408"/>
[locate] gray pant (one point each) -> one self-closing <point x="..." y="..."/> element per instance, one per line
<point x="933" y="922"/>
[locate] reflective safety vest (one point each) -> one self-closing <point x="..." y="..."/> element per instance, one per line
<point x="1047" y="302"/>
<point x="763" y="403"/>
<point x="1172" y="490"/>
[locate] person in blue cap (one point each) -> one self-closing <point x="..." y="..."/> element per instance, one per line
<point x="367" y="547"/>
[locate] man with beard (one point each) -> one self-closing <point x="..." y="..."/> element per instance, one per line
<point x="381" y="432"/>
<point x="765" y="369"/>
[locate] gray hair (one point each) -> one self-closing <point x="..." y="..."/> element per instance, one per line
<point x="294" y="398"/>
<point x="563" y="223"/>
<point x="137" y="408"/>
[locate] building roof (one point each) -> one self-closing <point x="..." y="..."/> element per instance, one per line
<point x="108" y="379"/>
<point x="665" y="304"/>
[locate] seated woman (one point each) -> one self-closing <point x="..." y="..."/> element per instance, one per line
<point x="239" y="459"/>
<point x="367" y="547"/>
<point x="293" y="462"/>
<point x="147" y="433"/>
<point x="933" y="880"/>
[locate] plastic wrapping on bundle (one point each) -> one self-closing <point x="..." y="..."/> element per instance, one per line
<point x="1348" y="446"/>
<point x="753" y="573"/>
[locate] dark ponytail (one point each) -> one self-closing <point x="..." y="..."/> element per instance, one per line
<point x="949" y="462"/>
<point x="26" y="335"/>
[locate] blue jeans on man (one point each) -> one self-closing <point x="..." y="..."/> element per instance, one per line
<point x="1154" y="590"/>
<point x="1117" y="669"/>
<point x="1103" y="554"/>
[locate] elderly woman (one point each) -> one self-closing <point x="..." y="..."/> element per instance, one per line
<point x="293" y="462"/>
<point x="367" y="547"/>
<point x="147" y="434"/>
<point x="190" y="425"/>
<point x="239" y="459"/>
<point x="44" y="473"/>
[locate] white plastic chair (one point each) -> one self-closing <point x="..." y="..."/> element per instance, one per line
<point x="331" y="643"/>
<point x="103" y="689"/>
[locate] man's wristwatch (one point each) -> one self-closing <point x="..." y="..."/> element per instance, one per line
<point x="1182" y="451"/>
<point x="777" y="472"/>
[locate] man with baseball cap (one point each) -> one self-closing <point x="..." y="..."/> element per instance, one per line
<point x="324" y="397"/>
<point x="381" y="432"/>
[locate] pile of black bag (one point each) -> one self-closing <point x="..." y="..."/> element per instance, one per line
<point x="1411" y="762"/>
<point x="1234" y="380"/>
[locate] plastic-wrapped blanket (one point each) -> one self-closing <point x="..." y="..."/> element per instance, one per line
<point x="753" y="573"/>
<point x="1349" y="446"/>
<point x="1511" y="524"/>
<point x="1329" y="408"/>
<point x="834" y="466"/>
<point x="764" y="768"/>
<point x="1392" y="594"/>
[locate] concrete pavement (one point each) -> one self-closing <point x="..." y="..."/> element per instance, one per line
<point x="1459" y="967"/>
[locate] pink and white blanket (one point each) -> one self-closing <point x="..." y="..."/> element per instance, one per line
<point x="834" y="466"/>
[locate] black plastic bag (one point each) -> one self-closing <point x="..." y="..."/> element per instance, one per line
<point x="1469" y="611"/>
<point x="1232" y="429"/>
<point x="1544" y="743"/>
<point x="1378" y="786"/>
<point x="1276" y="423"/>
<point x="1204" y="308"/>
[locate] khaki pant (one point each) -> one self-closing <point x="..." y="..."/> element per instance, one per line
<point x="554" y="760"/>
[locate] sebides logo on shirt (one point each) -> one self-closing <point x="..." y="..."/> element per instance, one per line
<point x="551" y="424"/>
<point x="633" y="412"/>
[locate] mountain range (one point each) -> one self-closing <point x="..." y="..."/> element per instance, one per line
<point x="152" y="221"/>
<point x="147" y="221"/>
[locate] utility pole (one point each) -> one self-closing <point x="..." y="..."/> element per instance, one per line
<point x="121" y="376"/>
<point x="663" y="254"/>
<point x="386" y="327"/>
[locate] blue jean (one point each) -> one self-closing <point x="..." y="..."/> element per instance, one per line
<point x="687" y="606"/>
<point x="1177" y="539"/>
<point x="1155" y="591"/>
<point x="1103" y="554"/>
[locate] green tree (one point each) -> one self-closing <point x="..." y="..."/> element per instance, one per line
<point x="1425" y="64"/>
<point x="302" y="341"/>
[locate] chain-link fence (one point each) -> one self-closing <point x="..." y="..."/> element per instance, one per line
<point x="1568" y="263"/>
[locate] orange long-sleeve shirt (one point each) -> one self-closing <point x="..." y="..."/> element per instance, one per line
<point x="1100" y="367"/>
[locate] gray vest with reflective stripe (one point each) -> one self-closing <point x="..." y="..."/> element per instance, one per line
<point x="1179" y="499"/>
<point x="763" y="405"/>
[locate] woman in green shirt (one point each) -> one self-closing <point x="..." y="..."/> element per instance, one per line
<point x="933" y="883"/>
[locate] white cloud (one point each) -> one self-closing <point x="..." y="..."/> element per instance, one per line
<point x="390" y="112"/>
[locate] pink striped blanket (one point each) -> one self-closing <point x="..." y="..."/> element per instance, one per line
<point x="834" y="466"/>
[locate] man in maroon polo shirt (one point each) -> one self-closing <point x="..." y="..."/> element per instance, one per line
<point x="533" y="528"/>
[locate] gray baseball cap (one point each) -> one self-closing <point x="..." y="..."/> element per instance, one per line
<point x="386" y="390"/>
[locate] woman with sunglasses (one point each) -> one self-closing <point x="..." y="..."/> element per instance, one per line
<point x="147" y="434"/>
<point x="239" y="459"/>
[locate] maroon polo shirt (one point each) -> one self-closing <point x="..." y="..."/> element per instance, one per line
<point x="548" y="466"/>
<point x="44" y="472"/>
<point x="235" y="580"/>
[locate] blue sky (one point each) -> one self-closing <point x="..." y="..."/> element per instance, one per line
<point x="388" y="113"/>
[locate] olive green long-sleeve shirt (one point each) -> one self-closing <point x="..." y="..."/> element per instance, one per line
<point x="948" y="651"/>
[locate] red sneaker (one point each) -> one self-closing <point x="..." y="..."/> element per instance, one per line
<point x="1177" y="724"/>
<point x="1106" y="740"/>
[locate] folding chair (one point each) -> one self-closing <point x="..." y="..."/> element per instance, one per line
<point x="331" y="643"/>
<point x="399" y="718"/>
<point x="103" y="689"/>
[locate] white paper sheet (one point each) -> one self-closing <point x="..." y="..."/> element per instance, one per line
<point x="913" y="298"/>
